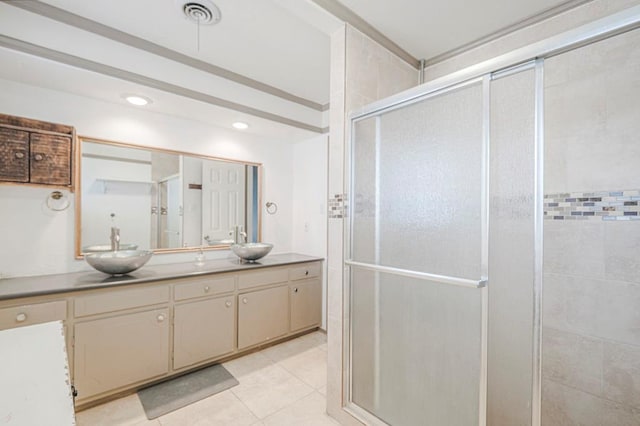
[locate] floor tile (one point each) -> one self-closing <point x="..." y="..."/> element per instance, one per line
<point x="309" y="411"/>
<point x="218" y="410"/>
<point x="247" y="364"/>
<point x="309" y="366"/>
<point x="270" y="389"/>
<point x="294" y="347"/>
<point x="125" y="411"/>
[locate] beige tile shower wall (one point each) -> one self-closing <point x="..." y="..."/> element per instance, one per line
<point x="362" y="71"/>
<point x="591" y="320"/>
<point x="568" y="20"/>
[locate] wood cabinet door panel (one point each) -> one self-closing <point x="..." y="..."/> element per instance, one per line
<point x="306" y="304"/>
<point x="14" y="155"/>
<point x="262" y="315"/>
<point x="50" y="159"/>
<point x="203" y="330"/>
<point x="114" y="352"/>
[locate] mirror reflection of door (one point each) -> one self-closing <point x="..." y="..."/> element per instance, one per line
<point x="223" y="200"/>
<point x="170" y="209"/>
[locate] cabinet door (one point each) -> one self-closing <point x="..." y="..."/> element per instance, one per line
<point x="14" y="155"/>
<point x="203" y="330"/>
<point x="114" y="352"/>
<point x="306" y="304"/>
<point x="50" y="159"/>
<point x="262" y="315"/>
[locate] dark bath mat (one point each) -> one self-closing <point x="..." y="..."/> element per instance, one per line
<point x="168" y="396"/>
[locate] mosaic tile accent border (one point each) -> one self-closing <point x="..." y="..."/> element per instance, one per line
<point x="337" y="206"/>
<point x="603" y="205"/>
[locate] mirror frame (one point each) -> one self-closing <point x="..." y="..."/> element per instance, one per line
<point x="77" y="178"/>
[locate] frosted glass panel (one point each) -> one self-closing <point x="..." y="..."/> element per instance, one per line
<point x="416" y="350"/>
<point x="428" y="162"/>
<point x="511" y="248"/>
<point x="363" y="199"/>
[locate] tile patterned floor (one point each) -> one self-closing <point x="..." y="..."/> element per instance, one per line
<point x="279" y="386"/>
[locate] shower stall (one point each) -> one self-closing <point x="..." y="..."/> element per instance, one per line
<point x="493" y="274"/>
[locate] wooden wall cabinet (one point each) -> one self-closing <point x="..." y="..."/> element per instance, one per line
<point x="35" y="152"/>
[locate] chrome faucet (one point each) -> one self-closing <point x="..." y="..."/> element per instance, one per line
<point x="115" y="238"/>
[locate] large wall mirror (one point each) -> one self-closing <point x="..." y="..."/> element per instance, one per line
<point x="162" y="200"/>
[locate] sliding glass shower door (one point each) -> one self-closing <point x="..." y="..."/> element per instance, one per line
<point x="418" y="261"/>
<point x="445" y="256"/>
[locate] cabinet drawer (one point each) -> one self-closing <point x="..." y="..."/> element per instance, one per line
<point x="262" y="277"/>
<point x="14" y="155"/>
<point x="206" y="286"/>
<point x="50" y="159"/>
<point x="310" y="270"/>
<point x="19" y="316"/>
<point x="120" y="299"/>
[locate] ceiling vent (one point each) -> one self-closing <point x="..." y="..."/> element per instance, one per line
<point x="200" y="11"/>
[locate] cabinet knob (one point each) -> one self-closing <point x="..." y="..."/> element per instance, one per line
<point x="245" y="300"/>
<point x="227" y="304"/>
<point x="295" y="290"/>
<point x="38" y="157"/>
<point x="306" y="272"/>
<point x="160" y="317"/>
<point x="21" y="317"/>
<point x="207" y="289"/>
<point x="19" y="155"/>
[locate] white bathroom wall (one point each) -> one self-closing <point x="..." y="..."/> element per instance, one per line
<point x="38" y="241"/>
<point x="309" y="195"/>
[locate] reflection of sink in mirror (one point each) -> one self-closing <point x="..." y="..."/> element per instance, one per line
<point x="251" y="251"/>
<point x="107" y="247"/>
<point x="220" y="242"/>
<point x="118" y="262"/>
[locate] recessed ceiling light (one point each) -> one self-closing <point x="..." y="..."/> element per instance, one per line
<point x="240" y="125"/>
<point x="137" y="100"/>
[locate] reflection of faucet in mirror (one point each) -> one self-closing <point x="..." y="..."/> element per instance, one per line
<point x="115" y="238"/>
<point x="239" y="236"/>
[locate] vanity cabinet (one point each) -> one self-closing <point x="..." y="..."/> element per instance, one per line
<point x="263" y="315"/>
<point x="124" y="337"/>
<point x="118" y="351"/>
<point x="35" y="152"/>
<point x="305" y="293"/>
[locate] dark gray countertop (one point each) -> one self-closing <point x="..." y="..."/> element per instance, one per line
<point x="12" y="288"/>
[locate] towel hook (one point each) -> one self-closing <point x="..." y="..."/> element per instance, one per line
<point x="54" y="198"/>
<point x="272" y="207"/>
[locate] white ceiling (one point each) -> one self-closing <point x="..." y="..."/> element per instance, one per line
<point x="280" y="43"/>
<point x="428" y="28"/>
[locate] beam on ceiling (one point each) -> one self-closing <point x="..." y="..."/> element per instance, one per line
<point x="77" y="62"/>
<point x="111" y="33"/>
